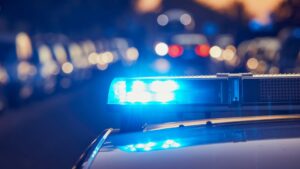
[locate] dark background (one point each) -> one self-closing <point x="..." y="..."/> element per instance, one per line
<point x="51" y="124"/>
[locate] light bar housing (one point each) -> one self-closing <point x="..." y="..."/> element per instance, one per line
<point x="220" y="89"/>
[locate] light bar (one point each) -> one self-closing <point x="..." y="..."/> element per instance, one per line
<point x="228" y="90"/>
<point x="163" y="90"/>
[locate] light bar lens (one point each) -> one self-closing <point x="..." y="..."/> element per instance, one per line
<point x="138" y="91"/>
<point x="208" y="92"/>
<point x="165" y="90"/>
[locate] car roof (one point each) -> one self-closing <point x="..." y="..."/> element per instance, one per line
<point x="251" y="145"/>
<point x="274" y="154"/>
<point x="220" y="120"/>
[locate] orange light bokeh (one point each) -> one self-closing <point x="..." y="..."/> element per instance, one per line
<point x="255" y="9"/>
<point x="145" y="6"/>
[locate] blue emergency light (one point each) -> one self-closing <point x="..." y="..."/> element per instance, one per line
<point x="143" y="91"/>
<point x="223" y="89"/>
<point x="164" y="90"/>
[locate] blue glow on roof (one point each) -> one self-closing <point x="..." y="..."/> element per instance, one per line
<point x="151" y="146"/>
<point x="138" y="91"/>
<point x="170" y="144"/>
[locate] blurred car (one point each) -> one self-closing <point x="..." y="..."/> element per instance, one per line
<point x="185" y="45"/>
<point x="177" y="35"/>
<point x="242" y="121"/>
<point x="35" y="67"/>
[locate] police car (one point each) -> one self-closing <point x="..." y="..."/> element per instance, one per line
<point x="228" y="121"/>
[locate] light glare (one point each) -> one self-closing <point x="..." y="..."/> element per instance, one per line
<point x="161" y="49"/>
<point x="23" y="46"/>
<point x="186" y="19"/>
<point x="215" y="52"/>
<point x="163" y="86"/>
<point x="138" y="86"/>
<point x="67" y="68"/>
<point x="252" y="63"/>
<point x="132" y="54"/>
<point x="150" y="146"/>
<point x="142" y="97"/>
<point x="162" y="20"/>
<point x="162" y="65"/>
<point x="144" y="92"/>
<point x="164" y="97"/>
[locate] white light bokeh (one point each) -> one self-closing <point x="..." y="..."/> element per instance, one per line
<point x="25" y="70"/>
<point x="107" y="57"/>
<point x="162" y="65"/>
<point x="60" y="53"/>
<point x="3" y="76"/>
<point x="215" y="52"/>
<point x="186" y="19"/>
<point x="23" y="46"/>
<point x="92" y="58"/>
<point x="161" y="49"/>
<point x="88" y="47"/>
<point x="162" y="20"/>
<point x="132" y="54"/>
<point x="67" y="68"/>
<point x="45" y="54"/>
<point x="252" y="63"/>
<point x="102" y="66"/>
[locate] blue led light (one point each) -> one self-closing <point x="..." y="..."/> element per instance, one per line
<point x="160" y="145"/>
<point x="138" y="86"/>
<point x="150" y="144"/>
<point x="164" y="97"/>
<point x="170" y="143"/>
<point x="141" y="97"/>
<point x="140" y="146"/>
<point x="163" y="86"/>
<point x="147" y="149"/>
<point x="171" y="85"/>
<point x="138" y="91"/>
<point x="131" y="148"/>
<point x="119" y="89"/>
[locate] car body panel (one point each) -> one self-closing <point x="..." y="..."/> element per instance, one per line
<point x="276" y="154"/>
<point x="249" y="144"/>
